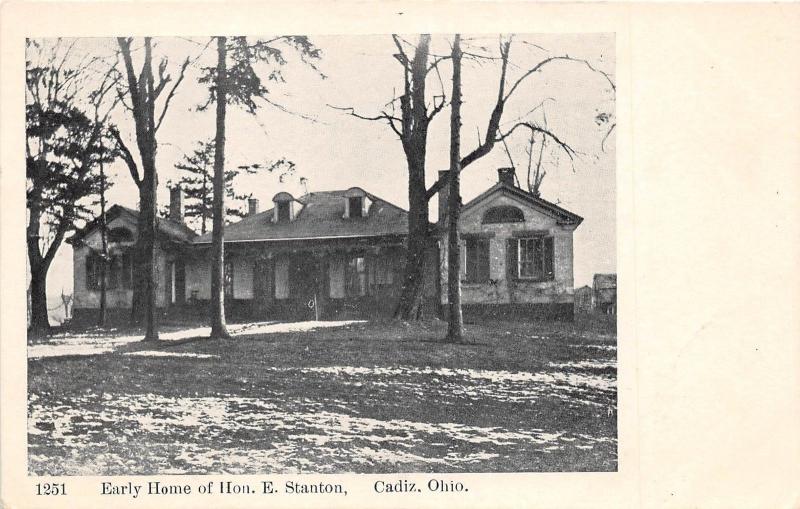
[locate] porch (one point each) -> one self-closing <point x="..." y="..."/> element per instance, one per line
<point x="297" y="281"/>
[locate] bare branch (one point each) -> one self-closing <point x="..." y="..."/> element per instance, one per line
<point x="532" y="110"/>
<point x="546" y="61"/>
<point x="172" y="91"/>
<point x="288" y="111"/>
<point x="133" y="85"/>
<point x="383" y="116"/>
<point x="163" y="78"/>
<point x="127" y="156"/>
<point x="402" y="57"/>
<point x="603" y="143"/>
<point x="536" y="129"/>
<point x="508" y="153"/>
<point x="535" y="46"/>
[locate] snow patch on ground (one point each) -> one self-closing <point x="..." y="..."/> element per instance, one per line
<point x="604" y="348"/>
<point x="160" y="353"/>
<point x="584" y="364"/>
<point x="575" y="387"/>
<point x="95" y="342"/>
<point x="304" y="437"/>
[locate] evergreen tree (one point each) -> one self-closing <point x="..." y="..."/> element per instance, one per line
<point x="196" y="181"/>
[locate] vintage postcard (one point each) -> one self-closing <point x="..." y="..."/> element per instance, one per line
<point x="308" y="262"/>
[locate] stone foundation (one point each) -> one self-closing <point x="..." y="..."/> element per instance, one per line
<point x="477" y="313"/>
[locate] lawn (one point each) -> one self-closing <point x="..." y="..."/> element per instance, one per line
<point x="326" y="398"/>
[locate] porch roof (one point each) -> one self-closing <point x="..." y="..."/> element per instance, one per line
<point x="321" y="217"/>
<point x="167" y="229"/>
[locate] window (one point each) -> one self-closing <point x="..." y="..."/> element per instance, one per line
<point x="120" y="271"/>
<point x="477" y="260"/>
<point x="94" y="271"/>
<point x="503" y="214"/>
<point x="118" y="276"/>
<point x="228" y="278"/>
<point x="381" y="274"/>
<point x="120" y="235"/>
<point x="126" y="277"/>
<point x="534" y="256"/>
<point x="355" y="205"/>
<point x="114" y="272"/>
<point x="356" y="277"/>
<point x="284" y="211"/>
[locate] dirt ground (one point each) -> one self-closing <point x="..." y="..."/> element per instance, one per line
<point x="326" y="397"/>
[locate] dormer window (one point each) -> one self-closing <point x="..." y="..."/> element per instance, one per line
<point x="284" y="208"/>
<point x="284" y="212"/>
<point x="356" y="203"/>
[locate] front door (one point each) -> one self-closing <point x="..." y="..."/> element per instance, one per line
<point x="263" y="288"/>
<point x="303" y="287"/>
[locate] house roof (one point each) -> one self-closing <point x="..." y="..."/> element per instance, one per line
<point x="321" y="216"/>
<point x="562" y="216"/>
<point x="171" y="230"/>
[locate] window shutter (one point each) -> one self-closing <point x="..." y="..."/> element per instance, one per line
<point x="469" y="246"/>
<point x="512" y="270"/>
<point x="549" y="270"/>
<point x="89" y="272"/>
<point x="483" y="255"/>
<point x="127" y="270"/>
<point x="113" y="272"/>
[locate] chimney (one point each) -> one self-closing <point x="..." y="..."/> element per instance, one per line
<point x="176" y="204"/>
<point x="506" y="176"/>
<point x="252" y="206"/>
<point x="444" y="192"/>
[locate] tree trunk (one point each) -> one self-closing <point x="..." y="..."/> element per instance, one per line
<point x="410" y="305"/>
<point x="147" y="221"/>
<point x="104" y="246"/>
<point x="218" y="326"/>
<point x="455" y="330"/>
<point x="143" y="99"/>
<point x="203" y="213"/>
<point x="40" y="324"/>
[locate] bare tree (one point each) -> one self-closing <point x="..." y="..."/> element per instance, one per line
<point x="141" y="95"/>
<point x="239" y="84"/>
<point x="411" y="126"/>
<point x="455" y="319"/>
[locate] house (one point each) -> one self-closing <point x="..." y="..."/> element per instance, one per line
<point x="605" y="293"/>
<point x="173" y="242"/>
<point x="337" y="254"/>
<point x="325" y="255"/>
<point x="516" y="254"/>
<point x="583" y="299"/>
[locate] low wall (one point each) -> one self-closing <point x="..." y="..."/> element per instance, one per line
<point x="476" y="313"/>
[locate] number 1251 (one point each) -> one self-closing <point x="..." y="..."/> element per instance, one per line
<point x="51" y="489"/>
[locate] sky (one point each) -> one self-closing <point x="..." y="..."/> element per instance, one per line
<point x="333" y="150"/>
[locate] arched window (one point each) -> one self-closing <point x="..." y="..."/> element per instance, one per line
<point x="120" y="235"/>
<point x="503" y="214"/>
<point x="356" y="202"/>
<point x="283" y="207"/>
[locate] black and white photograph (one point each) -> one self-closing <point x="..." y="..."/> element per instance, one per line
<point x="321" y="254"/>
